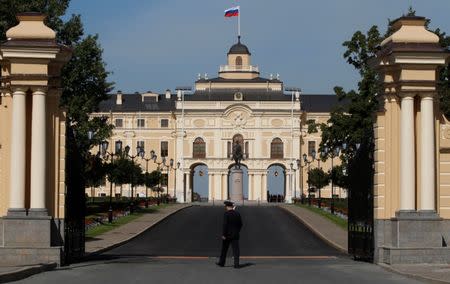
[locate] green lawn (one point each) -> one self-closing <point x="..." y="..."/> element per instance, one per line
<point x="333" y="218"/>
<point x="101" y="229"/>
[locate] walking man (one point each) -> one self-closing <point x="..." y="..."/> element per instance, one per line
<point x="232" y="224"/>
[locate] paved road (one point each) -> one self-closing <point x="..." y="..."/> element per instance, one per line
<point x="196" y="231"/>
<point x="183" y="249"/>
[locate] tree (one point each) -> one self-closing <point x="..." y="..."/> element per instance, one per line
<point x="95" y="172"/>
<point x="125" y="171"/>
<point x="318" y="178"/>
<point x="156" y="181"/>
<point x="339" y="176"/>
<point x="152" y="179"/>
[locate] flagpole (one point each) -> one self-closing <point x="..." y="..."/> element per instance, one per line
<point x="239" y="23"/>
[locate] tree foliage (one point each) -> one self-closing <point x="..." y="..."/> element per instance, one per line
<point x="318" y="178"/>
<point x="152" y="179"/>
<point x="338" y="174"/>
<point x="125" y="171"/>
<point x="95" y="171"/>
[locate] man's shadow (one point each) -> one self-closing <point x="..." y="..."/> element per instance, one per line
<point x="244" y="265"/>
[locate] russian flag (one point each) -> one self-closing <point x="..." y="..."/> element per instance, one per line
<point x="232" y="12"/>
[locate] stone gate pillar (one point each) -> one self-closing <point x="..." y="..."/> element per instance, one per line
<point x="32" y="139"/>
<point x="408" y="227"/>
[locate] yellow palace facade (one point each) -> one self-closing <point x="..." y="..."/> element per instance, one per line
<point x="192" y="132"/>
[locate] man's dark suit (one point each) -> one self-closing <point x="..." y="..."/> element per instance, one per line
<point x="232" y="224"/>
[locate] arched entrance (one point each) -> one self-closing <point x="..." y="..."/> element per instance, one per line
<point x="200" y="185"/>
<point x="244" y="180"/>
<point x="276" y="183"/>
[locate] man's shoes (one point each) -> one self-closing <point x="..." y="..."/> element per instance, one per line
<point x="220" y="264"/>
<point x="237" y="266"/>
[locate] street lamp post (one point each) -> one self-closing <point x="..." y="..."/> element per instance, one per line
<point x="142" y="154"/>
<point x="104" y="152"/>
<point x="154" y="157"/>
<point x="321" y="154"/>
<point x="334" y="154"/>
<point x="171" y="164"/>
<point x="308" y="163"/>
<point x="167" y="182"/>
<point x="300" y="169"/>
<point x="127" y="152"/>
<point x="293" y="168"/>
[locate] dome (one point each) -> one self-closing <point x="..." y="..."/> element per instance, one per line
<point x="239" y="48"/>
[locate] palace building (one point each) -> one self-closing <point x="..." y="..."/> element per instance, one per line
<point x="192" y="132"/>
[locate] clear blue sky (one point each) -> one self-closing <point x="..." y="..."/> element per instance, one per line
<point x="160" y="44"/>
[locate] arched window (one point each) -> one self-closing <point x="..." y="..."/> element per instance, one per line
<point x="239" y="62"/>
<point x="199" y="149"/>
<point x="276" y="149"/>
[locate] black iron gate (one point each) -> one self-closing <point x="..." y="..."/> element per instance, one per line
<point x="75" y="203"/>
<point x="360" y="204"/>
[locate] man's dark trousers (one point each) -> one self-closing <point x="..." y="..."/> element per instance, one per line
<point x="236" y="251"/>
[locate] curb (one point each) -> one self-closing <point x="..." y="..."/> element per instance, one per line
<point x="100" y="251"/>
<point x="412" y="276"/>
<point x="23" y="273"/>
<point x="316" y="232"/>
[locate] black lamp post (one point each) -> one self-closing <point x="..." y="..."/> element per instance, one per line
<point x="171" y="165"/>
<point x="142" y="154"/>
<point x="104" y="153"/>
<point x="334" y="154"/>
<point x="300" y="169"/>
<point x="163" y="162"/>
<point x="321" y="155"/>
<point x="127" y="152"/>
<point x="174" y="168"/>
<point x="308" y="163"/>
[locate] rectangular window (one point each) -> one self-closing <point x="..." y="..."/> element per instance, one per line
<point x="229" y="151"/>
<point x="119" y="122"/>
<point x="311" y="147"/>
<point x="141" y="145"/>
<point x="164" y="148"/>
<point x="141" y="122"/>
<point x="164" y="123"/>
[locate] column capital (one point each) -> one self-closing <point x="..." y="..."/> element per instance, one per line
<point x="407" y="95"/>
<point x="18" y="91"/>
<point x="427" y="95"/>
<point x="39" y="90"/>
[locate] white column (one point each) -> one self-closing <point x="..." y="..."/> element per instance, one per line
<point x="264" y="187"/>
<point x="210" y="187"/>
<point x="179" y="186"/>
<point x="18" y="150"/>
<point x="218" y="186"/>
<point x="427" y="194"/>
<point x="224" y="186"/>
<point x="251" y="192"/>
<point x="188" y="187"/>
<point x="407" y="154"/>
<point x="258" y="186"/>
<point x="38" y="153"/>
<point x="289" y="186"/>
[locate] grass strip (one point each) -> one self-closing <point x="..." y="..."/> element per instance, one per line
<point x="106" y="227"/>
<point x="333" y="218"/>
